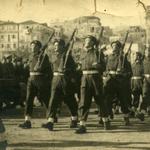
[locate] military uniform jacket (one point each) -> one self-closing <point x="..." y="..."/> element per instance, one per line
<point x="68" y="71"/>
<point x="146" y="65"/>
<point x="88" y="58"/>
<point x="115" y="63"/>
<point x="91" y="80"/>
<point x="137" y="72"/>
<point x="41" y="64"/>
<point x="137" y="69"/>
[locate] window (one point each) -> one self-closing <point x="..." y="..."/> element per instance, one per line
<point x="9" y="38"/>
<point x="2" y="46"/>
<point x="92" y="29"/>
<point x="3" y="28"/>
<point x="13" y="36"/>
<point x="8" y="46"/>
<point x="14" y="45"/>
<point x="14" y="27"/>
<point x="2" y="37"/>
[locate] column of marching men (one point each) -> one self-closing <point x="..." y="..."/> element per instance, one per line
<point x="112" y="82"/>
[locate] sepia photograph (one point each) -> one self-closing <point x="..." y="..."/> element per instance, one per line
<point x="74" y="74"/>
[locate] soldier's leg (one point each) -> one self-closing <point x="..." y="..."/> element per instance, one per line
<point x="84" y="106"/>
<point x="146" y="97"/>
<point x="109" y="92"/>
<point x="103" y="111"/>
<point x="31" y="93"/>
<point x="55" y="100"/>
<point x="73" y="107"/>
<point x="44" y="92"/>
<point x="136" y="99"/>
<point x="123" y="103"/>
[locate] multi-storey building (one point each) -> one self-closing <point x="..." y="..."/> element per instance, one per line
<point x="16" y="37"/>
<point x="8" y="37"/>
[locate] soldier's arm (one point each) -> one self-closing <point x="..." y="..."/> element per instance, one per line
<point x="45" y="66"/>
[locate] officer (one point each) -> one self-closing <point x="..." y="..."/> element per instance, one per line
<point x="62" y="85"/>
<point x="115" y="80"/>
<point x="91" y="83"/>
<point x="146" y="86"/>
<point x="137" y="81"/>
<point x="39" y="81"/>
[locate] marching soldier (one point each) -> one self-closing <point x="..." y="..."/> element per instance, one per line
<point x="62" y="85"/>
<point x="146" y="86"/>
<point x="137" y="81"/>
<point x="91" y="84"/>
<point x="39" y="81"/>
<point x="115" y="80"/>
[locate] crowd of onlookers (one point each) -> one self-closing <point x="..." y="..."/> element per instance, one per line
<point x="14" y="73"/>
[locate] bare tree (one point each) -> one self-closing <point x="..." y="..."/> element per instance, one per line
<point x="142" y="4"/>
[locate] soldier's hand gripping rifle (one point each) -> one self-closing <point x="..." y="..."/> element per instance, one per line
<point x="99" y="42"/>
<point x="42" y="53"/>
<point x="69" y="47"/>
<point x="127" y="53"/>
<point x="100" y="37"/>
<point x="122" y="49"/>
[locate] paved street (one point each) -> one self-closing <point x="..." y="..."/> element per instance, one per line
<point x="134" y="137"/>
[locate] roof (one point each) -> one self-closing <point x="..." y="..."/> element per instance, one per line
<point x="8" y="23"/>
<point x="29" y="22"/>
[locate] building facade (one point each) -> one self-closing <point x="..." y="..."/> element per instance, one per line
<point x="16" y="37"/>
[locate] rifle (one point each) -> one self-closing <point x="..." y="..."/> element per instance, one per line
<point x="121" y="53"/>
<point x="125" y="40"/>
<point x="127" y="53"/>
<point x="69" y="47"/>
<point x="99" y="42"/>
<point x="41" y="55"/>
<point x="100" y="36"/>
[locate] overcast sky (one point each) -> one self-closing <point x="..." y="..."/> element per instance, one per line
<point x="63" y="9"/>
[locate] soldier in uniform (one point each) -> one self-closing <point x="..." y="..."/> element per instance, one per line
<point x="62" y="85"/>
<point x="146" y="86"/>
<point x="39" y="81"/>
<point x="91" y="84"/>
<point x="137" y="81"/>
<point x="115" y="81"/>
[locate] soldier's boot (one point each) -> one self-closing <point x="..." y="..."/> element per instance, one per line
<point x="73" y="123"/>
<point x="101" y="122"/>
<point x="106" y="123"/>
<point x="55" y="120"/>
<point x="148" y="112"/>
<point x="126" y="121"/>
<point x="25" y="125"/>
<point x="132" y="112"/>
<point x="116" y="110"/>
<point x="48" y="125"/>
<point x="81" y="129"/>
<point x="96" y="112"/>
<point x="140" y="116"/>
